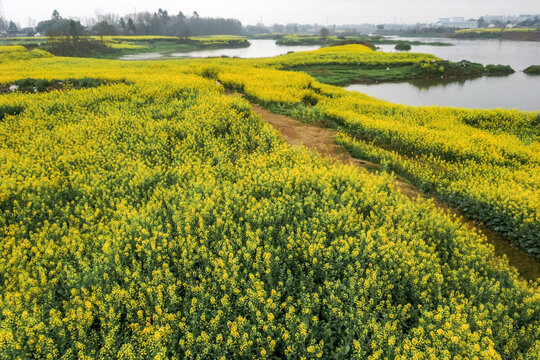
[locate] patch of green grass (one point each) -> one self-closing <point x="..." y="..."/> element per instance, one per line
<point x="346" y="74"/>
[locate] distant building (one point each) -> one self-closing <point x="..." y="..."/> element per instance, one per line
<point x="458" y="23"/>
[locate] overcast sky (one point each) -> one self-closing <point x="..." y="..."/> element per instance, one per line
<point x="279" y="11"/>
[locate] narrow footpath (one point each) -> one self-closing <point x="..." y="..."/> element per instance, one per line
<point x="321" y="140"/>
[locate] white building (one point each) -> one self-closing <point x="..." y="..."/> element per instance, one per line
<point x="458" y="23"/>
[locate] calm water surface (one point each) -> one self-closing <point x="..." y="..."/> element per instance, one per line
<point x="258" y="49"/>
<point x="517" y="91"/>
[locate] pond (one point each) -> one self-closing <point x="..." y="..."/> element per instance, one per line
<point x="517" y="91"/>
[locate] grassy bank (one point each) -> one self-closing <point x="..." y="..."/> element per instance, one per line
<point x="110" y="47"/>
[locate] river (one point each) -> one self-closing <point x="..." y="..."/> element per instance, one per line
<point x="258" y="49"/>
<point x="517" y="91"/>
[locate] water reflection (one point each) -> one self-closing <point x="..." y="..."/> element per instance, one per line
<point x="426" y="84"/>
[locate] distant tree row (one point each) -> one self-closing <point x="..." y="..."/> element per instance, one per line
<point x="534" y="22"/>
<point x="161" y="23"/>
<point x="142" y="23"/>
<point x="278" y="28"/>
<point x="531" y="23"/>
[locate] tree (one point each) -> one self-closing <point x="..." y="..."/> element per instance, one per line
<point x="12" y="28"/>
<point x="75" y="30"/>
<point x="380" y="27"/>
<point x="123" y="25"/>
<point x="481" y="22"/>
<point x="131" y="26"/>
<point x="103" y="28"/>
<point x="55" y="15"/>
<point x="195" y="15"/>
<point x="164" y="15"/>
<point x="64" y="36"/>
<point x="324" y="33"/>
<point x="532" y="22"/>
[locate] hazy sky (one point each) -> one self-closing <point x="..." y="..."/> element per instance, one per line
<point x="280" y="11"/>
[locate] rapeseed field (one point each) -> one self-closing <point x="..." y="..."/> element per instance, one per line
<point x="155" y="217"/>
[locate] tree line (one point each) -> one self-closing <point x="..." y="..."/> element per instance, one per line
<point x="157" y="23"/>
<point x="141" y="23"/>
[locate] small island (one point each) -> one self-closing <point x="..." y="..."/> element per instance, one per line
<point x="532" y="70"/>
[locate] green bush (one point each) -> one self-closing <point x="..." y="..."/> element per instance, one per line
<point x="494" y="70"/>
<point x="6" y="110"/>
<point x="403" y="45"/>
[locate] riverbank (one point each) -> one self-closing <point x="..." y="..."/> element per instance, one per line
<point x="112" y="47"/>
<point x="518" y="34"/>
<point x="344" y="40"/>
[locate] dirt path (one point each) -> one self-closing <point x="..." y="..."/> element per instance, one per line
<point x="321" y="140"/>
